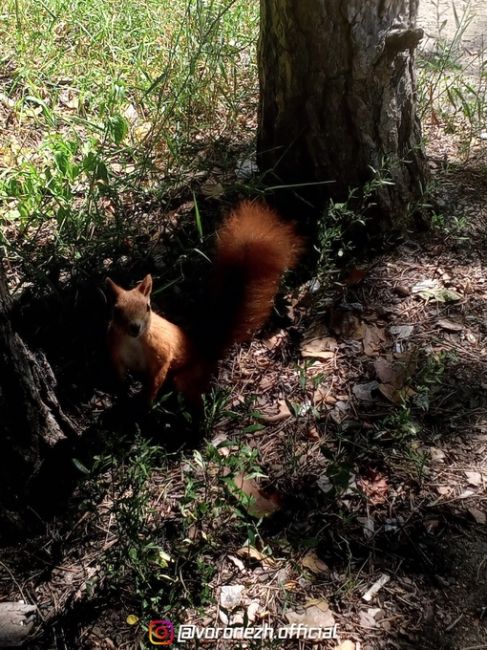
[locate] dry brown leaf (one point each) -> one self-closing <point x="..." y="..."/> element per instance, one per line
<point x="369" y="618"/>
<point x="401" y="331"/>
<point x="437" y="454"/>
<point x="237" y="562"/>
<point x="390" y="373"/>
<point x="355" y="276"/>
<point x="478" y="515"/>
<point x="450" y="325"/>
<point x="282" y="413"/>
<point x="312" y="562"/>
<point x="474" y="478"/>
<point x="212" y="189"/>
<point x="445" y="490"/>
<point x="318" y="345"/>
<point x="313" y="434"/>
<point x="322" y="395"/>
<point x="262" y="503"/>
<point x="374" y="486"/>
<point x="346" y="324"/>
<point x="315" y="613"/>
<point x="346" y="645"/>
<point x="372" y="340"/>
<point x="254" y="554"/>
<point x="231" y="596"/>
<point x="363" y="392"/>
<point x="266" y="383"/>
<point x="395" y="395"/>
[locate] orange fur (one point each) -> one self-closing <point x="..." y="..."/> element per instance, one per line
<point x="254" y="247"/>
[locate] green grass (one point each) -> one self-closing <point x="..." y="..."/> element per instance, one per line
<point x="113" y="103"/>
<point x="452" y="84"/>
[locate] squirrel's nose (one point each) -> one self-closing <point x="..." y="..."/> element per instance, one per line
<point x="134" y="329"/>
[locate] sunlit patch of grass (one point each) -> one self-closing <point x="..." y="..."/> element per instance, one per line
<point x="452" y="87"/>
<point x="108" y="103"/>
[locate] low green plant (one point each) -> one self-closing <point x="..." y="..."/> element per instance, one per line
<point x="452" y="88"/>
<point x="110" y="105"/>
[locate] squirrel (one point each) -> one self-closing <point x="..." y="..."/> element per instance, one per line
<point x="253" y="249"/>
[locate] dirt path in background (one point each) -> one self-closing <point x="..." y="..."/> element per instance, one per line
<point x="440" y="19"/>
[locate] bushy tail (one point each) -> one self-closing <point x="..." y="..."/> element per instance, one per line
<point x="254" y="248"/>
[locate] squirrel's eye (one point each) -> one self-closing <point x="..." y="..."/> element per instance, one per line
<point x="148" y="306"/>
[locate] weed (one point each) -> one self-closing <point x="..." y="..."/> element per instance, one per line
<point x="109" y="104"/>
<point x="452" y="89"/>
<point x="430" y="377"/>
<point x="339" y="227"/>
<point x="450" y="225"/>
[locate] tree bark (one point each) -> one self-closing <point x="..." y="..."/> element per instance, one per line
<point x="337" y="100"/>
<point x="31" y="419"/>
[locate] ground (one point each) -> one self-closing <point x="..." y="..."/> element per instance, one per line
<point x="345" y="447"/>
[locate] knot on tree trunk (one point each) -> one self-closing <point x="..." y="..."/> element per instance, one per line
<point x="401" y="39"/>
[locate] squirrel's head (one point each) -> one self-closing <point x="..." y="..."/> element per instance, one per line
<point x="131" y="308"/>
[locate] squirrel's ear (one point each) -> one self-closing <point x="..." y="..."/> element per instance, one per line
<point x="145" y="287"/>
<point x="114" y="288"/>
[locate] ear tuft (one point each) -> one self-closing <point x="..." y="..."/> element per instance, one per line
<point x="114" y="288"/>
<point x="145" y="287"/>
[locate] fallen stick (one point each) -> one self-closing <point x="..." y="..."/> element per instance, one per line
<point x="377" y="586"/>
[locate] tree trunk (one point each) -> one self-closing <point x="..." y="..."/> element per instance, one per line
<point x="337" y="100"/>
<point x="31" y="418"/>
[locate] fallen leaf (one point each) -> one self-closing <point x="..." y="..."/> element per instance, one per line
<point x="478" y="515"/>
<point x="315" y="613"/>
<point x="346" y="324"/>
<point x="474" y="478"/>
<point x="346" y="645"/>
<point x="374" y="486"/>
<point x="322" y="395"/>
<point x="395" y="395"/>
<point x="365" y="620"/>
<point x="437" y="454"/>
<point x="390" y="373"/>
<point x="355" y="276"/>
<point x="252" y="610"/>
<point x="231" y="596"/>
<point x="212" y="189"/>
<point x="312" y="433"/>
<point x="369" y="618"/>
<point x="318" y="345"/>
<point x="363" y="392"/>
<point x="449" y="325"/>
<point x="251" y="552"/>
<point x="372" y="340"/>
<point x="444" y="490"/>
<point x="432" y="290"/>
<point x="261" y="503"/>
<point x="282" y="413"/>
<point x="401" y="331"/>
<point x="368" y="524"/>
<point x="312" y="562"/>
<point x="324" y="483"/>
<point x="237" y="562"/>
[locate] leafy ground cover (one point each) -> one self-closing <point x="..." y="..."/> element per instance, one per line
<point x="344" y="448"/>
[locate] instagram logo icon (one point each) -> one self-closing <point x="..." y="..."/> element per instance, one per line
<point x="161" y="632"/>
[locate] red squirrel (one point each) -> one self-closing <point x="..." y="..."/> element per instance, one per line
<point x="253" y="249"/>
